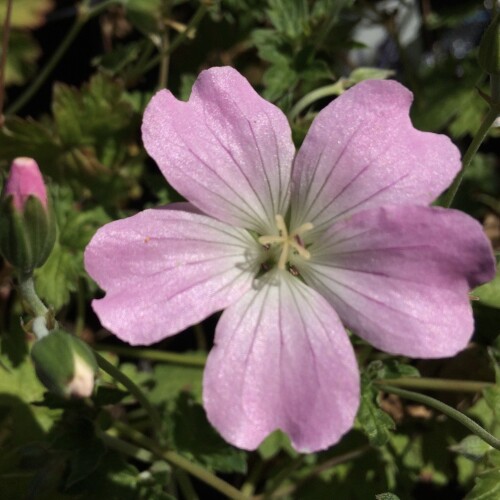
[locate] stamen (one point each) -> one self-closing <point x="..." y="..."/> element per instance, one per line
<point x="287" y="241"/>
<point x="302" y="229"/>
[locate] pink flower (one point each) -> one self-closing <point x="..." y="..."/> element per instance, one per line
<point x="293" y="246"/>
<point x="25" y="180"/>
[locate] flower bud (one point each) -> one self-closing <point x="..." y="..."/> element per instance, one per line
<point x="27" y="222"/>
<point x="489" y="49"/>
<point x="64" y="364"/>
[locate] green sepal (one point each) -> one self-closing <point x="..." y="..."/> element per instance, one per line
<point x="54" y="360"/>
<point x="26" y="236"/>
<point x="41" y="229"/>
<point x="14" y="244"/>
<point x="489" y="48"/>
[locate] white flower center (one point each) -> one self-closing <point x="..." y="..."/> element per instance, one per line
<point x="289" y="242"/>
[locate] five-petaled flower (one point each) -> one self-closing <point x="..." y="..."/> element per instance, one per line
<point x="293" y="246"/>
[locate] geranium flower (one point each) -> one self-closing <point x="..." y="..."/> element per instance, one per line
<point x="293" y="246"/>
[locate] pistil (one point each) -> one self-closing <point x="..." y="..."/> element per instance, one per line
<point x="287" y="241"/>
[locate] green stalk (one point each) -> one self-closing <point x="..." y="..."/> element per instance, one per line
<point x="126" y="448"/>
<point x="135" y="391"/>
<point x="153" y="355"/>
<point x="447" y="410"/>
<point x="432" y="384"/>
<point x="84" y="15"/>
<point x="29" y="295"/>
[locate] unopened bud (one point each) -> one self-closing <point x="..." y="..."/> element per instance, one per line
<point x="27" y="222"/>
<point x="64" y="364"/>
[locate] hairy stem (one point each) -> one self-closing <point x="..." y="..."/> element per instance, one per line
<point x="447" y="410"/>
<point x="29" y="295"/>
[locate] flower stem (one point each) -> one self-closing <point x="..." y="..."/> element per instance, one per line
<point x="183" y="463"/>
<point x="447" y="410"/>
<point x="153" y="355"/>
<point x="29" y="295"/>
<point x="84" y="14"/>
<point x="154" y="416"/>
<point x="126" y="448"/>
<point x="477" y="140"/>
<point x="433" y="384"/>
<point x="3" y="61"/>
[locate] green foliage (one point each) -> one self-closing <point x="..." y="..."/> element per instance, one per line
<point x="63" y="271"/>
<point x="192" y="435"/>
<point x="298" y="31"/>
<point x="375" y="422"/>
<point x="487" y="486"/>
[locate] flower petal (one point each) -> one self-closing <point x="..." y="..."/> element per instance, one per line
<point x="362" y="151"/>
<point x="398" y="276"/>
<point x="226" y="150"/>
<point x="281" y="359"/>
<point x="166" y="269"/>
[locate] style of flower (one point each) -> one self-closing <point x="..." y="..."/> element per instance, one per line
<point x="293" y="247"/>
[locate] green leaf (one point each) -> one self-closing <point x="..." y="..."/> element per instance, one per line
<point x="487" y="486"/>
<point x="386" y="496"/>
<point x="492" y="397"/>
<point x="472" y="447"/>
<point x="21" y="137"/>
<point x="147" y="15"/>
<point x="391" y="368"/>
<point x="19" y="387"/>
<point x="59" y="276"/>
<point x="489" y="293"/>
<point x="194" y="436"/>
<point x="375" y="423"/>
<point x="274" y="443"/>
<point x="171" y="380"/>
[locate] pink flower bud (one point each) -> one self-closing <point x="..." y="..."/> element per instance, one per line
<point x="25" y="179"/>
<point x="27" y="220"/>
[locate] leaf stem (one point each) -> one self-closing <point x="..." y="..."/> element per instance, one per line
<point x="153" y="355"/>
<point x="477" y="140"/>
<point x="3" y="61"/>
<point x="447" y="410"/>
<point x="154" y="416"/>
<point x="433" y="384"/>
<point x="84" y="14"/>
